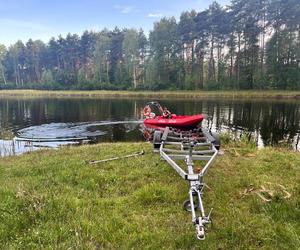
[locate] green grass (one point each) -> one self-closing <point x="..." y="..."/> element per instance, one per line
<point x="252" y="94"/>
<point x="53" y="199"/>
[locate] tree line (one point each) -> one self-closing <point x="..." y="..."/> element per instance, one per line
<point x="246" y="45"/>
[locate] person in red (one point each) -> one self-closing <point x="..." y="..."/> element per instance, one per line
<point x="166" y="113"/>
<point x="148" y="113"/>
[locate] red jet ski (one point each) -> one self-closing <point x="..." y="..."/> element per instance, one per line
<point x="167" y="119"/>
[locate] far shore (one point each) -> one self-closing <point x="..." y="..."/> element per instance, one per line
<point x="230" y="94"/>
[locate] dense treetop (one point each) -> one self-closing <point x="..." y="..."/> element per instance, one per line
<point x="247" y="45"/>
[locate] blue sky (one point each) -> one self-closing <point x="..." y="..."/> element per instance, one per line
<point x="42" y="19"/>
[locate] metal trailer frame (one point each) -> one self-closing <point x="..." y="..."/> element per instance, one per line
<point x="185" y="144"/>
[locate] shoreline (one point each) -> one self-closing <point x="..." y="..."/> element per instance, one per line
<point x="234" y="95"/>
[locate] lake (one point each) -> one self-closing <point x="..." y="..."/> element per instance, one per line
<point x="57" y="121"/>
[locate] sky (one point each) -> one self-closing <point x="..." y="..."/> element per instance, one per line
<point x="43" y="19"/>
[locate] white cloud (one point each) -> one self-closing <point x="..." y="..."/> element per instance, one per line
<point x="155" y="15"/>
<point x="125" y="9"/>
<point x="21" y="24"/>
<point x="15" y="29"/>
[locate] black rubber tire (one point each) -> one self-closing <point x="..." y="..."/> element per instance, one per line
<point x="187" y="206"/>
<point x="217" y="141"/>
<point x="157" y="139"/>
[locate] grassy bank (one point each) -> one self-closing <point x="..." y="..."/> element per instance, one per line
<point x="147" y="94"/>
<point x="54" y="199"/>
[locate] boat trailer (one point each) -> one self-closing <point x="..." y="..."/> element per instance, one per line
<point x="190" y="146"/>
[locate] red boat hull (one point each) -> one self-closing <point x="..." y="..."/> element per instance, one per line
<point x="175" y="121"/>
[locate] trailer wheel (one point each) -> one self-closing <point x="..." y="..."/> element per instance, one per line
<point x="187" y="205"/>
<point x="217" y="141"/>
<point x="157" y="139"/>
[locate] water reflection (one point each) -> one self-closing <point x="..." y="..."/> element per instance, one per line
<point x="271" y="122"/>
<point x="16" y="147"/>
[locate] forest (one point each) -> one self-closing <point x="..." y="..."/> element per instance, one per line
<point x="249" y="44"/>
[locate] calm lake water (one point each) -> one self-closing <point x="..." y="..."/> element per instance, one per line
<point x="49" y="122"/>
